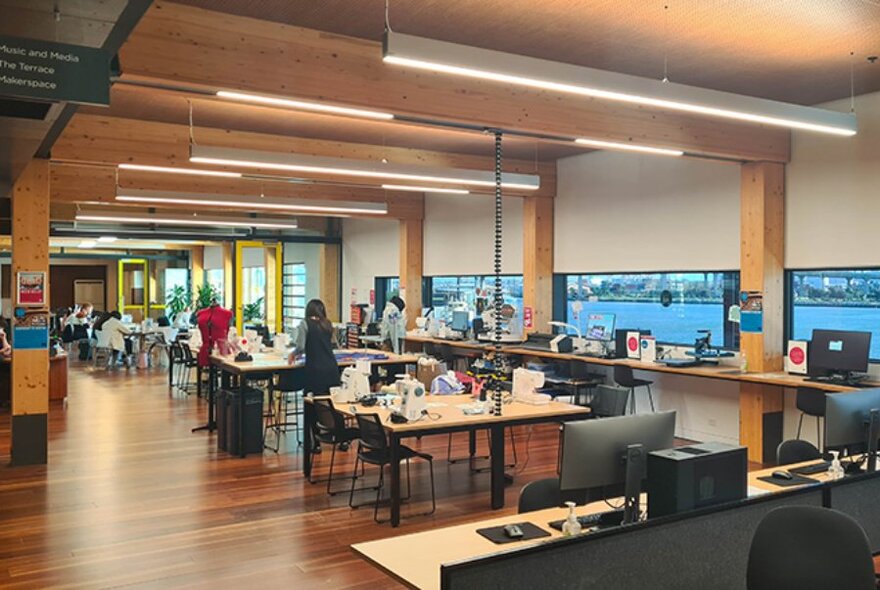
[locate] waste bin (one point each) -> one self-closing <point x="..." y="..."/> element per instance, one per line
<point x="253" y="420"/>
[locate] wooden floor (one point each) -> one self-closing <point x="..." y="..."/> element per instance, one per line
<point x="132" y="499"/>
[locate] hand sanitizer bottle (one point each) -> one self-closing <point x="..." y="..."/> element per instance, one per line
<point x="571" y="526"/>
<point x="835" y="471"/>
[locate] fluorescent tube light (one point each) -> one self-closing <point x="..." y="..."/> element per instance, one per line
<point x="107" y="239"/>
<point x="425" y="189"/>
<point x="87" y="244"/>
<point x="613" y="145"/>
<point x="170" y="170"/>
<point x="221" y="156"/>
<point x="186" y="221"/>
<point x="304" y="105"/>
<point x="252" y="202"/>
<point x="485" y="64"/>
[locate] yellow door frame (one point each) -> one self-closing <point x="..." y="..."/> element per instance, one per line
<point x="279" y="259"/>
<point x="120" y="284"/>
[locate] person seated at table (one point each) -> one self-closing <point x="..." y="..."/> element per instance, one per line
<point x="111" y="333"/>
<point x="182" y="318"/>
<point x="5" y="347"/>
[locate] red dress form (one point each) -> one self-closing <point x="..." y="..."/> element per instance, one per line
<point x="214" y="326"/>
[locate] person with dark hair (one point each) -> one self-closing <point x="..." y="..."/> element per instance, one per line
<point x="393" y="328"/>
<point x="314" y="338"/>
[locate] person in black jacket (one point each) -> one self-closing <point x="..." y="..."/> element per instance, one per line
<point x="314" y="338"/>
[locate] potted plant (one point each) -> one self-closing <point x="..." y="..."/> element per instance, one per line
<point x="253" y="312"/>
<point x="205" y="295"/>
<point x="176" y="300"/>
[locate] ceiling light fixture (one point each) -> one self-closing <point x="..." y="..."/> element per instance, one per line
<point x="107" y="239"/>
<point x="303" y="105"/>
<point x="186" y="221"/>
<point x="425" y="189"/>
<point x="87" y="244"/>
<point x="170" y="170"/>
<point x="613" y="145"/>
<point x="497" y="66"/>
<point x="250" y="202"/>
<point x="220" y="156"/>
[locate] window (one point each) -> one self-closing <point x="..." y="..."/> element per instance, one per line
<point x="699" y="301"/>
<point x="214" y="277"/>
<point x="386" y="288"/>
<point x="476" y="292"/>
<point x="253" y="293"/>
<point x="835" y="299"/>
<point x="293" y="294"/>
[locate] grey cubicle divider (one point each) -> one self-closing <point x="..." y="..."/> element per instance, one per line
<point x="698" y="550"/>
<point x="859" y="497"/>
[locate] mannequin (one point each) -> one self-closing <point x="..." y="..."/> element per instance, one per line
<point x="214" y="326"/>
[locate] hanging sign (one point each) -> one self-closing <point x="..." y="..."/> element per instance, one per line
<point x="30" y="68"/>
<point x="30" y="288"/>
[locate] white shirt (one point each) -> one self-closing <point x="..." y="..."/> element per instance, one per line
<point x="111" y="335"/>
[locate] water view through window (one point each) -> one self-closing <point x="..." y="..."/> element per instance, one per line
<point x="836" y="299"/>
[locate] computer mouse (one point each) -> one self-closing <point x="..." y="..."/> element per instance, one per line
<point x="513" y="531"/>
<point x="782" y="474"/>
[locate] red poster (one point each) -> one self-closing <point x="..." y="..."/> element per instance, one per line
<point x="528" y="320"/>
<point x="31" y="288"/>
<point x="373" y="297"/>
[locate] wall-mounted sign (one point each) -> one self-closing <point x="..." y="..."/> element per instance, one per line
<point x="31" y="332"/>
<point x="752" y="312"/>
<point x="30" y="68"/>
<point x="528" y="318"/>
<point x="30" y="288"/>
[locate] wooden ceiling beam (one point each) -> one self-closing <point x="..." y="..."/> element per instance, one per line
<point x="185" y="45"/>
<point x="114" y="140"/>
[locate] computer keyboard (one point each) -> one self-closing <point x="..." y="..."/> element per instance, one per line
<point x="820" y="467"/>
<point x="600" y="519"/>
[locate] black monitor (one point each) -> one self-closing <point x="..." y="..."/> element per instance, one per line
<point x="852" y="421"/>
<point x="600" y="326"/>
<point x="613" y="451"/>
<point x="839" y="352"/>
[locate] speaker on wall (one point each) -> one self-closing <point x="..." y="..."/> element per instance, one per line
<point x="796" y="359"/>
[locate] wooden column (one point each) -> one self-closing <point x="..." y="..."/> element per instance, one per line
<point x="538" y="260"/>
<point x="30" y="368"/>
<point x="197" y="267"/>
<point x="411" y="268"/>
<point x="762" y="235"/>
<point x="270" y="302"/>
<point x="228" y="278"/>
<point x="330" y="280"/>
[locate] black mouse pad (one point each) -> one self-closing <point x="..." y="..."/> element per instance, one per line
<point x="796" y="480"/>
<point x="497" y="536"/>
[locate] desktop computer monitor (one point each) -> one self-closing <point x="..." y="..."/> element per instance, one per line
<point x="839" y="352"/>
<point x="600" y="326"/>
<point x="599" y="453"/>
<point x="460" y="321"/>
<point x="850" y="419"/>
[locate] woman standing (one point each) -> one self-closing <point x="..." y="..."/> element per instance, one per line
<point x="314" y="338"/>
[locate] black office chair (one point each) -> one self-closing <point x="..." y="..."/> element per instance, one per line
<point x="796" y="451"/>
<point x="545" y="493"/>
<point x="330" y="429"/>
<point x="609" y="402"/>
<point x="373" y="449"/>
<point x="287" y="392"/>
<point x="809" y="548"/>
<point x="811" y="402"/>
<point x="623" y="376"/>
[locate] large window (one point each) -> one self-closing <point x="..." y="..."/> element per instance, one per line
<point x="214" y="277"/>
<point x="293" y="294"/>
<point x="475" y="292"/>
<point x="835" y="299"/>
<point x="674" y="306"/>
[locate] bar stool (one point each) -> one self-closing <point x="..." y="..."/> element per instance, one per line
<point x="811" y="402"/>
<point x="623" y="376"/>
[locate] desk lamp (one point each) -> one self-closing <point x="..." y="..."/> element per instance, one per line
<point x="580" y="344"/>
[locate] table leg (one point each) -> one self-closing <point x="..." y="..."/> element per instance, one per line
<point x="212" y="422"/>
<point x="309" y="424"/>
<point x="395" y="479"/>
<point x="170" y="369"/>
<point x="242" y="387"/>
<point x="496" y="441"/>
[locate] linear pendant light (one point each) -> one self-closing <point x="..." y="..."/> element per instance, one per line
<point x="425" y="189"/>
<point x="485" y="64"/>
<point x="184" y="220"/>
<point x="251" y="202"/>
<point x="277" y="101"/>
<point x="234" y="157"/>
<point x="171" y="170"/>
<point x="613" y="145"/>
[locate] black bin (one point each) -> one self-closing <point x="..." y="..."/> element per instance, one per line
<point x="253" y="421"/>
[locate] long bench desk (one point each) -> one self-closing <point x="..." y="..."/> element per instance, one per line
<point x="271" y="364"/>
<point x="421" y="560"/>
<point x="446" y="417"/>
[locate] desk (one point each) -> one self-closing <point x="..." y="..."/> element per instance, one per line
<point x="760" y="410"/>
<point x="415" y="559"/>
<point x="58" y="377"/>
<point x="272" y="363"/>
<point x="449" y="418"/>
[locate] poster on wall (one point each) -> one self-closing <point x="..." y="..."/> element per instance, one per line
<point x="528" y="318"/>
<point x="30" y="330"/>
<point x="30" y="288"/>
<point x="752" y="312"/>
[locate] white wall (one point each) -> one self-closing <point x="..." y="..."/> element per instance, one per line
<point x="833" y="194"/>
<point x="370" y="249"/>
<point x="677" y="214"/>
<point x="213" y="257"/>
<point x="460" y="235"/>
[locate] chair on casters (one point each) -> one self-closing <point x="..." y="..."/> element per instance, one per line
<point x="623" y="376"/>
<point x="373" y="449"/>
<point x="330" y="429"/>
<point x="796" y="451"/>
<point x="809" y="548"/>
<point x="811" y="402"/>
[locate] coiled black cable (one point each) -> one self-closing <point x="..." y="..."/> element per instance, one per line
<point x="499" y="300"/>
